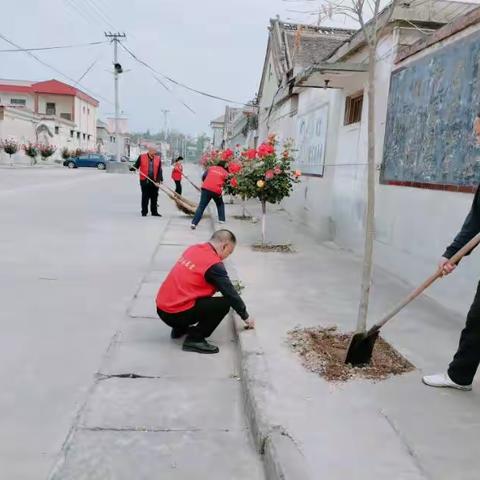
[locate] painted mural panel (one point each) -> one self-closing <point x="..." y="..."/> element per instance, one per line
<point x="311" y="140"/>
<point x="433" y="104"/>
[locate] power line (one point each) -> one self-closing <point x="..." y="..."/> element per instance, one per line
<point x="45" y="64"/>
<point x="100" y="13"/>
<point x="86" y="71"/>
<point x="56" y="47"/>
<point x="85" y="14"/>
<point x="179" y="83"/>
<point x="153" y="73"/>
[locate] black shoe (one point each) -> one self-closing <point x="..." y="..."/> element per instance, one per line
<point x="144" y="214"/>
<point x="177" y="333"/>
<point x="156" y="215"/>
<point x="199" y="346"/>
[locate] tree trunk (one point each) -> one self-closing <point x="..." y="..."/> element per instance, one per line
<point x="370" y="217"/>
<point x="244" y="208"/>
<point x="264" y="221"/>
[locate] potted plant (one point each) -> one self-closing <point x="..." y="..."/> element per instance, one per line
<point x="265" y="175"/>
<point x="31" y="150"/>
<point x="66" y="153"/>
<point x="46" y="151"/>
<point x="9" y="146"/>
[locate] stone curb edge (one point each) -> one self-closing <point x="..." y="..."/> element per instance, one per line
<point x="281" y="456"/>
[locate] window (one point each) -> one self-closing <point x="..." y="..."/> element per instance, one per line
<point x="84" y="136"/>
<point x="66" y="116"/>
<point x="19" y="102"/>
<point x="78" y="135"/>
<point x="50" y="109"/>
<point x="57" y="130"/>
<point x="353" y="109"/>
<point x="88" y="137"/>
<point x="88" y="111"/>
<point x="71" y="133"/>
<point x="83" y="109"/>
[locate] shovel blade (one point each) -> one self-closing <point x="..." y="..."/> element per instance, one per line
<point x="360" y="350"/>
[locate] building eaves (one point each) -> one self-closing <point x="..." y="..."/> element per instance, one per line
<point x="461" y="23"/>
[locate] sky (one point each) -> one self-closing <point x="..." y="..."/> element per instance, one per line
<point x="217" y="46"/>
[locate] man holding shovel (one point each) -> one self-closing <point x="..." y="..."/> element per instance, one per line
<point x="464" y="365"/>
<point x="185" y="300"/>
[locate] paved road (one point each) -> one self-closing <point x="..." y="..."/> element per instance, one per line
<point x="73" y="249"/>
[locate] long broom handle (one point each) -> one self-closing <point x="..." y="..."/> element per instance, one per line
<point x="191" y="183"/>
<point x="157" y="184"/>
<point x="467" y="248"/>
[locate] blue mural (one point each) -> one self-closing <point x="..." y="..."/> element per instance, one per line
<point x="432" y="108"/>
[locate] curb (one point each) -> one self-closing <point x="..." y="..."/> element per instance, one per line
<point x="281" y="457"/>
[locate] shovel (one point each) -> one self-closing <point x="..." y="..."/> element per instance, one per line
<point x="361" y="345"/>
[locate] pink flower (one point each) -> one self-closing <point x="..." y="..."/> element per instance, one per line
<point x="234" y="167"/>
<point x="251" y="153"/>
<point x="277" y="170"/>
<point x="234" y="182"/>
<point x="227" y="154"/>
<point x="265" y="149"/>
<point x="269" y="174"/>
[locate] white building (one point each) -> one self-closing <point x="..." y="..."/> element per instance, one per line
<point x="323" y="107"/>
<point x="49" y="112"/>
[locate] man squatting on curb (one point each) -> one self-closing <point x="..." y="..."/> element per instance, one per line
<point x="185" y="300"/>
<point x="464" y="365"/>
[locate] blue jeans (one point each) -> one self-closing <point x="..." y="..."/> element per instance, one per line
<point x="205" y="198"/>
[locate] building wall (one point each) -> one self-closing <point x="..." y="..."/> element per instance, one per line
<point x="63" y="104"/>
<point x="86" y="123"/>
<point x="412" y="225"/>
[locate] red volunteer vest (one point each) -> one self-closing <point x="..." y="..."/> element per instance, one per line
<point x="186" y="281"/>
<point x="143" y="170"/>
<point x="215" y="179"/>
<point x="177" y="172"/>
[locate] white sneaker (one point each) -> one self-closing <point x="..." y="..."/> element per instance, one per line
<point x="221" y="222"/>
<point x="193" y="227"/>
<point x="442" y="380"/>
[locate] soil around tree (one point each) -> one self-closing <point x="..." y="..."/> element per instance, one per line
<point x="268" y="247"/>
<point x="323" y="350"/>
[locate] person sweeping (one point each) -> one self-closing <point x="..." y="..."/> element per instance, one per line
<point x="185" y="300"/>
<point x="464" y="365"/>
<point x="177" y="174"/>
<point x="214" y="179"/>
<point x="149" y="166"/>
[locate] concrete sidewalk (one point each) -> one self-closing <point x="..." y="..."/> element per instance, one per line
<point x="396" y="428"/>
<point x="154" y="411"/>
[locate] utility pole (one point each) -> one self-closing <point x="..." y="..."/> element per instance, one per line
<point x="165" y="122"/>
<point x="117" y="70"/>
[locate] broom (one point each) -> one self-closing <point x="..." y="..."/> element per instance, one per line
<point x="361" y="345"/>
<point x="184" y="205"/>
<point x="192" y="184"/>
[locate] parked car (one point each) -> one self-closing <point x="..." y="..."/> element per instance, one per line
<point x="88" y="160"/>
<point x="123" y="158"/>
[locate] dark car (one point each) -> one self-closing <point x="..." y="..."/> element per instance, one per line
<point x="87" y="160"/>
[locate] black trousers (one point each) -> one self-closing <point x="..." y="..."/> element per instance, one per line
<point x="200" y="321"/>
<point x="149" y="194"/>
<point x="178" y="186"/>
<point x="465" y="362"/>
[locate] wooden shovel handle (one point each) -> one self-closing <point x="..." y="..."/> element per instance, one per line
<point x="467" y="248"/>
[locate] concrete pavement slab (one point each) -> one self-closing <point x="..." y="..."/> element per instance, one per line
<point x="166" y="358"/>
<point x="182" y="455"/>
<point x="164" y="404"/>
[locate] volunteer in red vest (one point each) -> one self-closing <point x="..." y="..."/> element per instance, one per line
<point x="149" y="165"/>
<point x="185" y="300"/>
<point x="177" y="174"/>
<point x="212" y="188"/>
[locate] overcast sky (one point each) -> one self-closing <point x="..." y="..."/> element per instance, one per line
<point x="213" y="45"/>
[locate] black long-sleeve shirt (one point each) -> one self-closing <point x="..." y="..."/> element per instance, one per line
<point x="470" y="228"/>
<point x="218" y="277"/>
<point x="159" y="177"/>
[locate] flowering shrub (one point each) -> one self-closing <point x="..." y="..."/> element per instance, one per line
<point x="31" y="150"/>
<point x="263" y="174"/>
<point x="66" y="153"/>
<point x="47" y="151"/>
<point x="9" y="146"/>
